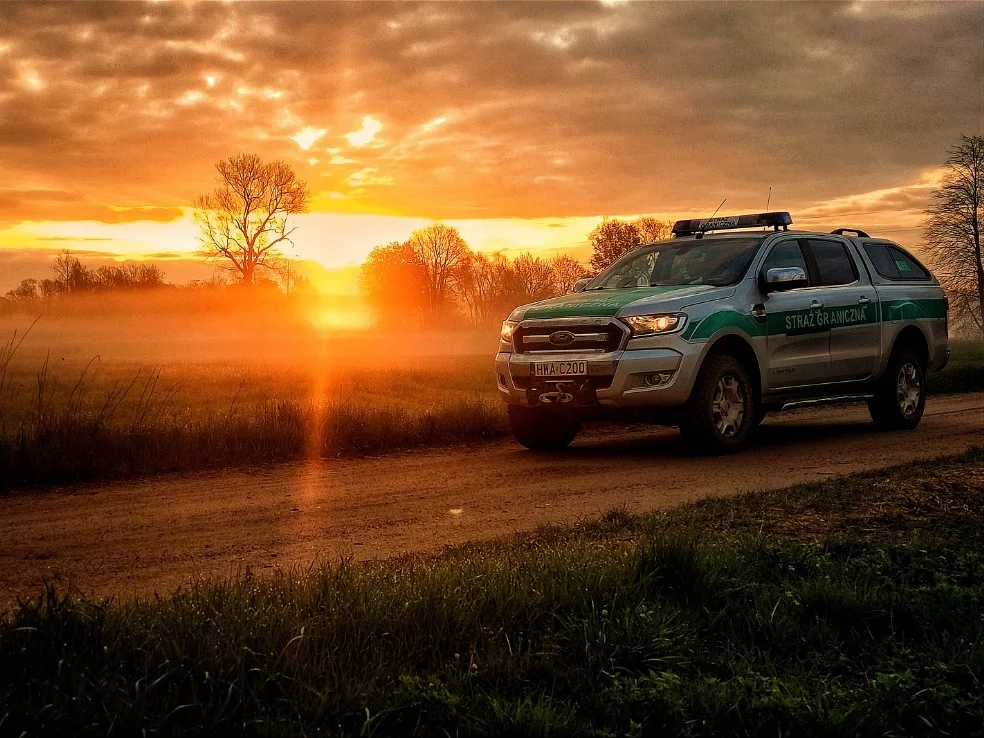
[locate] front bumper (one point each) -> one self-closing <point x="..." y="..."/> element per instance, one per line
<point x="629" y="378"/>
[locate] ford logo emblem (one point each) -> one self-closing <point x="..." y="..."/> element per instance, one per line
<point x="561" y="338"/>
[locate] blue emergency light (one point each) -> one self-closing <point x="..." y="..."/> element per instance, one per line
<point x="700" y="226"/>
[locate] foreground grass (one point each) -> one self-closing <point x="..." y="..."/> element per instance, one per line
<point x="87" y="423"/>
<point x="842" y="608"/>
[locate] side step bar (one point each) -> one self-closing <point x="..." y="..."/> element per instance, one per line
<point x="838" y="399"/>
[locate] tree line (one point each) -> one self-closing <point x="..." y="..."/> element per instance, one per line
<point x="435" y="273"/>
<point x="246" y="221"/>
<point x="72" y="276"/>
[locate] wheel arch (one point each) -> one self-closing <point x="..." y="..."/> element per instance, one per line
<point x="913" y="337"/>
<point x="738" y="346"/>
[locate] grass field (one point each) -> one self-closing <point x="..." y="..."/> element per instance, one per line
<point x="843" y="608"/>
<point x="70" y="416"/>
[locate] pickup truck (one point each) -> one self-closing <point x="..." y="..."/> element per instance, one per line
<point x="732" y="318"/>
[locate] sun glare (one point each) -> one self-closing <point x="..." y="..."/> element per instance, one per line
<point x="335" y="318"/>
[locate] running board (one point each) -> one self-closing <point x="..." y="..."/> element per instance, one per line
<point x="827" y="400"/>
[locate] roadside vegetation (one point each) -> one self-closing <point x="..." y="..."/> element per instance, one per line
<point x="64" y="422"/>
<point x="842" y="608"/>
<point x="965" y="372"/>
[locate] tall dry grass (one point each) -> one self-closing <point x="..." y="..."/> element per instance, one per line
<point x="63" y="423"/>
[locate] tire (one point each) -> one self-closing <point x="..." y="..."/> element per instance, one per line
<point x="542" y="430"/>
<point x="900" y="397"/>
<point x="709" y="425"/>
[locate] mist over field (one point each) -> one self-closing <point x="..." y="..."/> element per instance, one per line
<point x="170" y="327"/>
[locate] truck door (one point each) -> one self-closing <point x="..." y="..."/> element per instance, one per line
<point x="850" y="310"/>
<point x="798" y="345"/>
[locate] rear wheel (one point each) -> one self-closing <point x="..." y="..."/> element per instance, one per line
<point x="900" y="399"/>
<point x="721" y="412"/>
<point x="542" y="430"/>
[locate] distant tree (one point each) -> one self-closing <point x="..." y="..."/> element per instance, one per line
<point x="953" y="231"/>
<point x="245" y="221"/>
<point x="393" y="281"/>
<point x="443" y="252"/>
<point x="534" y="278"/>
<point x="651" y="229"/>
<point x="488" y="286"/>
<point x="129" y="277"/>
<point x="567" y="271"/>
<point x="50" y="287"/>
<point x="28" y="289"/>
<point x="610" y="240"/>
<point x="71" y="275"/>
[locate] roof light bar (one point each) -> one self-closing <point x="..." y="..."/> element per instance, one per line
<point x="699" y="226"/>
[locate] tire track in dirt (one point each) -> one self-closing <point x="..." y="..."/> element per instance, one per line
<point x="155" y="535"/>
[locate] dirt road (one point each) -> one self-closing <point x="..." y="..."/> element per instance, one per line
<point x="155" y="535"/>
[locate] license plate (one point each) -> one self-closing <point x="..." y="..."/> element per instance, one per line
<point x="550" y="369"/>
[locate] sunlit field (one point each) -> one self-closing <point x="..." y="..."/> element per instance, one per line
<point x="121" y="394"/>
<point x="137" y="387"/>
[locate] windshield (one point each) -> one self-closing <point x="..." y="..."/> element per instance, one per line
<point x="713" y="261"/>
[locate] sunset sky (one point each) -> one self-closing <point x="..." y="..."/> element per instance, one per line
<point x="522" y="124"/>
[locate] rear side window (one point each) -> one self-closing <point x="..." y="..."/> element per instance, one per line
<point x="893" y="263"/>
<point x="834" y="265"/>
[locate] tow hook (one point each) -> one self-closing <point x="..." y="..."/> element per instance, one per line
<point x="562" y="393"/>
<point x="558" y="396"/>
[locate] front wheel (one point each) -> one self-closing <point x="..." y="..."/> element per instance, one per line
<point x="900" y="399"/>
<point x="542" y="430"/>
<point x="721" y="413"/>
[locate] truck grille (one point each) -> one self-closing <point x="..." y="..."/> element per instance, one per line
<point x="554" y="338"/>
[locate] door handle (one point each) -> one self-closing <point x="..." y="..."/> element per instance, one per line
<point x="816" y="305"/>
<point x="863" y="300"/>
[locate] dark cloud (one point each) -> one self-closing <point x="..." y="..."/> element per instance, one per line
<point x="549" y="108"/>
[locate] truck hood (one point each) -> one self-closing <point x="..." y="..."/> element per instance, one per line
<point x="629" y="301"/>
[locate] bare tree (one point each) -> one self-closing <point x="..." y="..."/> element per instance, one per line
<point x="611" y="239"/>
<point x="534" y="278"/>
<point x="953" y="230"/>
<point x="487" y="284"/>
<point x="71" y="275"/>
<point x="442" y="251"/>
<point x="245" y="220"/>
<point x="652" y="229"/>
<point x="567" y="271"/>
<point x="129" y="277"/>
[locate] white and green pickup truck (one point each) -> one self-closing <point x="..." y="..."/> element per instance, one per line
<point x="711" y="331"/>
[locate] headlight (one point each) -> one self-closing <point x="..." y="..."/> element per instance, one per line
<point x="508" y="326"/>
<point x="647" y="325"/>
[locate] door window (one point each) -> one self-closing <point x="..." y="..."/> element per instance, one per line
<point x="785" y="254"/>
<point x="834" y="265"/>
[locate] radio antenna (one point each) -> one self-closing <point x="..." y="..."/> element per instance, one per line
<point x="719" y="207"/>
<point x="769" y="201"/>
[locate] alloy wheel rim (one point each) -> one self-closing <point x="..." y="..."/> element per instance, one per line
<point x="908" y="388"/>
<point x="728" y="406"/>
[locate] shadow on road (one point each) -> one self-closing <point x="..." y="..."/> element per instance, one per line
<point x="647" y="442"/>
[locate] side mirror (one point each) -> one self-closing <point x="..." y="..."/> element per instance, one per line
<point x="780" y="279"/>
<point x="580" y="284"/>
